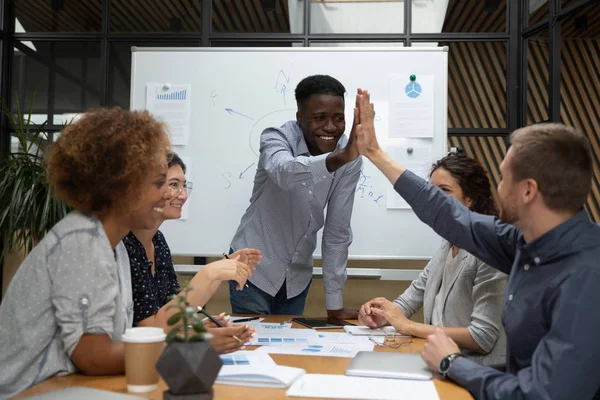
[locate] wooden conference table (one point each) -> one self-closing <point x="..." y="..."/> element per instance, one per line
<point x="312" y="364"/>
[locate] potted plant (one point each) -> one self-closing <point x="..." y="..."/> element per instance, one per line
<point x="189" y="364"/>
<point x="27" y="209"/>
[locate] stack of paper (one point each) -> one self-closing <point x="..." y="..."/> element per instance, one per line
<point x="347" y="387"/>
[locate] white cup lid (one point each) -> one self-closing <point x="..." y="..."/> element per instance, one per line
<point x="144" y="335"/>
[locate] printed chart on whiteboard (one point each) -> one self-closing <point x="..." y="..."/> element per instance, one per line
<point x="172" y="105"/>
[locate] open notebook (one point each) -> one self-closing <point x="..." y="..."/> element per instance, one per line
<point x="277" y="376"/>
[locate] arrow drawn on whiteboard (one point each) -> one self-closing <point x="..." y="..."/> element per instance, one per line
<point x="232" y="112"/>
<point x="244" y="171"/>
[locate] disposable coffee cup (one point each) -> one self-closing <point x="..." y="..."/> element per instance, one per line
<point x="143" y="346"/>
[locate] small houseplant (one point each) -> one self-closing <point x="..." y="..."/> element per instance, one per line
<point x="27" y="209"/>
<point x="189" y="364"/>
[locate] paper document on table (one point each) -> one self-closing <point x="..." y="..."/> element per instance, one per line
<point x="273" y="327"/>
<point x="243" y="357"/>
<point x="348" y="350"/>
<point x="417" y="160"/>
<point x="366" y="331"/>
<point x="172" y="105"/>
<point x="339" y="337"/>
<point x="411" y="112"/>
<point x="289" y="337"/>
<point x="350" y="387"/>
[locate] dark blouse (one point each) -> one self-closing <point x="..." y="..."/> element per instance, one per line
<point x="150" y="293"/>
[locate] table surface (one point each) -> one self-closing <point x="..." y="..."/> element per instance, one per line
<point x="312" y="364"/>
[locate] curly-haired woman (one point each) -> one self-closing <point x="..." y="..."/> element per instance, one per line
<point x="456" y="290"/>
<point x="70" y="302"/>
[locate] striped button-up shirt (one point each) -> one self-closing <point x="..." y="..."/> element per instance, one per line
<point x="287" y="209"/>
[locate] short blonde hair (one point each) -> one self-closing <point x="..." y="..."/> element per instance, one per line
<point x="100" y="163"/>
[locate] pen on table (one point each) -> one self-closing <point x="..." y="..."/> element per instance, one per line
<point x="227" y="257"/>
<point x="237" y="321"/>
<point x="216" y="321"/>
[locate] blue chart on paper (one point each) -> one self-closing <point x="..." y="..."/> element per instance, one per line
<point x="236" y="359"/>
<point x="180" y="95"/>
<point x="342" y="350"/>
<point x="413" y="90"/>
<point x="320" y="349"/>
<point x="313" y="349"/>
<point x="266" y="340"/>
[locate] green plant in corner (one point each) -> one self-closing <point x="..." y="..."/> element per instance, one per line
<point x="187" y="324"/>
<point x="27" y="208"/>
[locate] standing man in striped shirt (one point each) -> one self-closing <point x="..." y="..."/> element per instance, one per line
<point x="305" y="165"/>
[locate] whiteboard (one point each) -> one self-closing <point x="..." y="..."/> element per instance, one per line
<point x="237" y="93"/>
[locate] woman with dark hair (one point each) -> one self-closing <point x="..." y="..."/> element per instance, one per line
<point x="153" y="277"/>
<point x="457" y="291"/>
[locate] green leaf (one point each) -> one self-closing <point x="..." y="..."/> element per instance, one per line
<point x="199" y="337"/>
<point x="27" y="208"/>
<point x="172" y="334"/>
<point x="199" y="327"/>
<point x="175" y="318"/>
<point x="189" y="312"/>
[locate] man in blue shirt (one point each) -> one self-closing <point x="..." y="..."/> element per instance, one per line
<point x="305" y="166"/>
<point x="547" y="244"/>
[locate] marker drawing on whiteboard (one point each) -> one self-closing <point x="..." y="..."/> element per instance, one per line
<point x="226" y="176"/>
<point x="213" y="96"/>
<point x="282" y="88"/>
<point x="233" y="112"/>
<point x="244" y="171"/>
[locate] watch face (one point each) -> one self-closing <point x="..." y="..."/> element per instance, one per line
<point x="444" y="365"/>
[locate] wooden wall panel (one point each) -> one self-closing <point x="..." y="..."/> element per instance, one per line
<point x="476" y="84"/>
<point x="475" y="16"/>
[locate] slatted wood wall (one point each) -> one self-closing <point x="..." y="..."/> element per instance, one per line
<point x="250" y="16"/>
<point x="75" y="16"/>
<point x="580" y="85"/>
<point x="476" y="84"/>
<point x="475" y="16"/>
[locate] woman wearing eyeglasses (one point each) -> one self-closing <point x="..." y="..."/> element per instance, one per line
<point x="154" y="280"/>
<point x="457" y="291"/>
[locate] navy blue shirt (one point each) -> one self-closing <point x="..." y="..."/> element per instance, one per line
<point x="150" y="293"/>
<point x="550" y="317"/>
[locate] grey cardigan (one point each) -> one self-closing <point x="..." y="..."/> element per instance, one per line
<point x="474" y="300"/>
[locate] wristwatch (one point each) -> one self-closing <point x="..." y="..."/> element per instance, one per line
<point x="447" y="361"/>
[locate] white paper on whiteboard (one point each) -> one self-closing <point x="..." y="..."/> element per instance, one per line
<point x="172" y="105"/>
<point x="411" y="112"/>
<point x="418" y="162"/>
